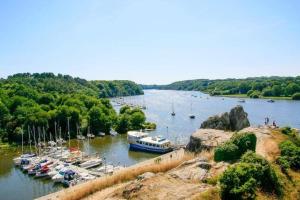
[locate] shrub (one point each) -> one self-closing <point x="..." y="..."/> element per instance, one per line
<point x="242" y="180"/>
<point x="226" y="152"/>
<point x="296" y="96"/>
<point x="238" y="183"/>
<point x="235" y="147"/>
<point x="290" y="153"/>
<point x="266" y="176"/>
<point x="244" y="141"/>
<point x="286" y="130"/>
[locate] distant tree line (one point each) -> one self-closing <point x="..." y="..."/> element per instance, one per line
<point x="252" y="87"/>
<point x="46" y="103"/>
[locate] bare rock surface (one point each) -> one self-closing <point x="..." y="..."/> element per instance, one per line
<point x="207" y="139"/>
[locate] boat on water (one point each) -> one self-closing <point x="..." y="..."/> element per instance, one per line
<point x="241" y="101"/>
<point x="101" y="134"/>
<point x="192" y="116"/>
<point x="140" y="141"/>
<point x="94" y="162"/>
<point x="17" y="161"/>
<point x="271" y="101"/>
<point x="80" y="137"/>
<point x="173" y="112"/>
<point x="89" y="135"/>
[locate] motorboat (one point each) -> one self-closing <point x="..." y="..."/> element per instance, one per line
<point x="59" y="177"/>
<point x="140" y="141"/>
<point x="17" y="161"/>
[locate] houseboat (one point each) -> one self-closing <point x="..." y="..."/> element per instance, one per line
<point x="141" y="141"/>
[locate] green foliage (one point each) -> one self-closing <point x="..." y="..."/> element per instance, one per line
<point x="43" y="101"/>
<point x="286" y="130"/>
<point x="226" y="152"/>
<point x="149" y="125"/>
<point x="244" y="141"/>
<point x="296" y="96"/>
<point x="266" y="175"/>
<point x="290" y="156"/>
<point x="233" y="149"/>
<point x="255" y="94"/>
<point x="132" y="119"/>
<point x="253" y="87"/>
<point x="242" y="180"/>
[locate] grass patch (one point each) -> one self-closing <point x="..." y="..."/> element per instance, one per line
<point x="122" y="176"/>
<point x="210" y="194"/>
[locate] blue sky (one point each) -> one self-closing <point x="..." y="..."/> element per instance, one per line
<point x="150" y="41"/>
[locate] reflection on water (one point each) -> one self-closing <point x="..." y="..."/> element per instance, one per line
<point x="16" y="185"/>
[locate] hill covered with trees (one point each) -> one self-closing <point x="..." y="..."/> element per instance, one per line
<point x="253" y="87"/>
<point x="46" y="102"/>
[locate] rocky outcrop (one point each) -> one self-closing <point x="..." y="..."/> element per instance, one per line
<point x="207" y="139"/>
<point x="235" y="120"/>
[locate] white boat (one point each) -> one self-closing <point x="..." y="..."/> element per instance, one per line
<point x="142" y="142"/>
<point x="101" y="134"/>
<point x="105" y="169"/>
<point x="242" y="101"/>
<point x="17" y="161"/>
<point x="113" y="133"/>
<point x="80" y="137"/>
<point x="59" y="177"/>
<point x="94" y="162"/>
<point x="90" y="135"/>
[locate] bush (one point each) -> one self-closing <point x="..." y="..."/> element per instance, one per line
<point x="296" y="96"/>
<point x="235" y="147"/>
<point x="286" y="130"/>
<point x="226" y="152"/>
<point x="244" y="141"/>
<point x="290" y="155"/>
<point x="238" y="183"/>
<point x="266" y="175"/>
<point x="242" y="180"/>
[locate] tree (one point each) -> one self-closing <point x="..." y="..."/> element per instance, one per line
<point x="99" y="121"/>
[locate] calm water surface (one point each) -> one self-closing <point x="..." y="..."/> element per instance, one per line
<point x="16" y="185"/>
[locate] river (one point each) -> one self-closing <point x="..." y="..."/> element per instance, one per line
<point x="16" y="185"/>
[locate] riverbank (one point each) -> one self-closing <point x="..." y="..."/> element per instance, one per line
<point x="247" y="97"/>
<point x="261" y="97"/>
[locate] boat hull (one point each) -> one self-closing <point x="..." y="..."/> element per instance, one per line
<point x="137" y="147"/>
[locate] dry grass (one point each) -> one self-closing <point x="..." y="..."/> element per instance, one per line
<point x="210" y="194"/>
<point x="125" y="175"/>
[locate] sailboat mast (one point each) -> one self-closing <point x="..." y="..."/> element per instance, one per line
<point x="29" y="139"/>
<point x="34" y="140"/>
<point x="55" y="135"/>
<point x="39" y="140"/>
<point x="44" y="133"/>
<point x="22" y="140"/>
<point x="69" y="131"/>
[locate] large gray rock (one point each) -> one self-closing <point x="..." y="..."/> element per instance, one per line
<point x="238" y="119"/>
<point x="207" y="139"/>
<point x="235" y="120"/>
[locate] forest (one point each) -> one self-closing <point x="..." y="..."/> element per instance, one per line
<point x="46" y="103"/>
<point x="252" y="87"/>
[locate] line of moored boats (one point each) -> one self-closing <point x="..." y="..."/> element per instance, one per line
<point x="66" y="166"/>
